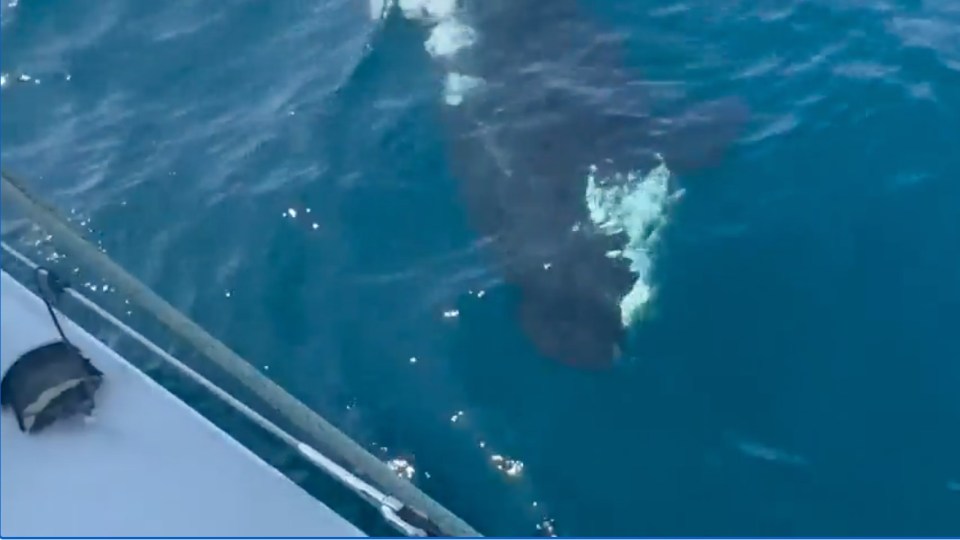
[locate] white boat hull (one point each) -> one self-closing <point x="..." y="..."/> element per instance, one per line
<point x="148" y="466"/>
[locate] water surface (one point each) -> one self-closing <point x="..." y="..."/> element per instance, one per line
<point x="278" y="171"/>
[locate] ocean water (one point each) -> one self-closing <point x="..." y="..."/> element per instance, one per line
<point x="278" y="171"/>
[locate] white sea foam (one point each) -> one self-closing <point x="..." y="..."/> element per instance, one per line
<point x="448" y="36"/>
<point x="457" y="86"/>
<point x="428" y="10"/>
<point x="635" y="204"/>
<point x="379" y="8"/>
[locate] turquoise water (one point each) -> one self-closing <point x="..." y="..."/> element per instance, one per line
<point x="278" y="171"/>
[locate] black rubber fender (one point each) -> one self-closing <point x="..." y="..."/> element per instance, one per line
<point x="49" y="383"/>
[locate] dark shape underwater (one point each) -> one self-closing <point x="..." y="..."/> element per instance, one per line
<point x="557" y="97"/>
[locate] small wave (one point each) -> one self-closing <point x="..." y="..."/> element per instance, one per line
<point x="636" y="205"/>
<point x="763" y="452"/>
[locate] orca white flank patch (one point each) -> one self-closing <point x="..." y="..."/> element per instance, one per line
<point x="637" y="205"/>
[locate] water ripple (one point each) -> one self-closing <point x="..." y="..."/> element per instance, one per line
<point x="278" y="169"/>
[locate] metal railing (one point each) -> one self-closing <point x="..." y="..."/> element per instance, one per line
<point x="403" y="505"/>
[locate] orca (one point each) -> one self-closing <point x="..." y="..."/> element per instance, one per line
<point x="561" y="162"/>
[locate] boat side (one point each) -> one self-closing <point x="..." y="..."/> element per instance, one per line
<point x="148" y="465"/>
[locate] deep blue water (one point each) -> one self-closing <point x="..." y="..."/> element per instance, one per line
<point x="799" y="372"/>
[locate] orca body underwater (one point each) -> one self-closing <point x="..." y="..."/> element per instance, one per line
<point x="560" y="162"/>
